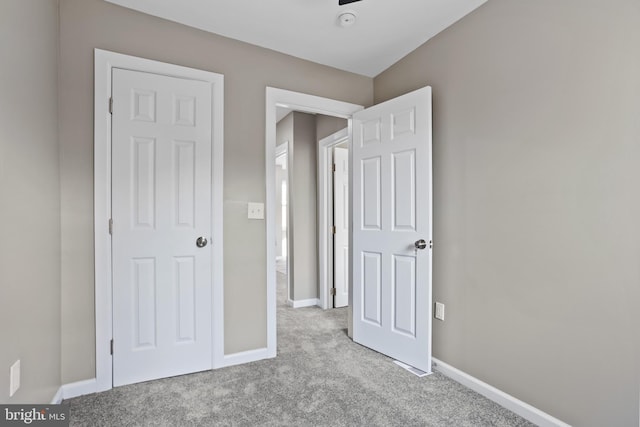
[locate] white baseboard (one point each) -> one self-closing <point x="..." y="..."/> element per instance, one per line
<point x="80" y="388"/>
<point x="57" y="398"/>
<point x="517" y="406"/>
<point x="244" y="357"/>
<point x="304" y="302"/>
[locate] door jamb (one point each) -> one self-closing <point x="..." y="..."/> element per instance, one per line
<point x="299" y="102"/>
<point x="283" y="150"/>
<point x="104" y="62"/>
<point x="325" y="206"/>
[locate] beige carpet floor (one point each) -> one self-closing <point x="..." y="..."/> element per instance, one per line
<point x="320" y="378"/>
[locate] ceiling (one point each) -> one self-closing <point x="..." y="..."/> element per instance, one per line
<point x="384" y="31"/>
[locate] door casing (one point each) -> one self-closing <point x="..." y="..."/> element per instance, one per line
<point x="104" y="62"/>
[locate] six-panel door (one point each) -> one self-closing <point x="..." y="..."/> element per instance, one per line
<point x="161" y="186"/>
<point x="391" y="152"/>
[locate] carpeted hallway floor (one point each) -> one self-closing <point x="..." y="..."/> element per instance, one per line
<point x="320" y="378"/>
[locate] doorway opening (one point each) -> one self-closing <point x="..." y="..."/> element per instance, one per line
<point x="305" y="211"/>
<point x="304" y="105"/>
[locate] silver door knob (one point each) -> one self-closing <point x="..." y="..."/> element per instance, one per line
<point x="420" y="244"/>
<point x="201" y="242"/>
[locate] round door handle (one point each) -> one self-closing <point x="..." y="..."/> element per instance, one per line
<point x="420" y="244"/>
<point x="201" y="242"/>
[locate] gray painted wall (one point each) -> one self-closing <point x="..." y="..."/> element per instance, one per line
<point x="303" y="158"/>
<point x="30" y="199"/>
<point x="537" y="231"/>
<point x="328" y="125"/>
<point x="89" y="24"/>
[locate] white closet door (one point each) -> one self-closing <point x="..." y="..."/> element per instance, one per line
<point x="161" y="210"/>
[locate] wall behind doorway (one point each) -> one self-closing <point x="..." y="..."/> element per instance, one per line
<point x="299" y="130"/>
<point x="328" y="125"/>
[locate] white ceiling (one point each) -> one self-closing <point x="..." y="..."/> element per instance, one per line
<point x="385" y="30"/>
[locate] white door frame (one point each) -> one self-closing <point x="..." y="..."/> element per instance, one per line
<point x="299" y="102"/>
<point x="105" y="61"/>
<point x="325" y="206"/>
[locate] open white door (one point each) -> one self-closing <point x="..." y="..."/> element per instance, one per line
<point x="341" y="224"/>
<point x="161" y="191"/>
<point x="392" y="228"/>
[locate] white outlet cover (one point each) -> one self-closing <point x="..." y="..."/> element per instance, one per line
<point x="14" y="378"/>
<point x="255" y="210"/>
<point x="439" y="311"/>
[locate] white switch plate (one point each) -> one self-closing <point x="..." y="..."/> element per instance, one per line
<point x="439" y="311"/>
<point x="255" y="211"/>
<point x="14" y="378"/>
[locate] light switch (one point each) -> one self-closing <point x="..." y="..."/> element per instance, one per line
<point x="255" y="211"/>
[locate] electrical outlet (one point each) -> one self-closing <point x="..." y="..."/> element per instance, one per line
<point x="255" y="211"/>
<point x="439" y="314"/>
<point x="14" y="378"/>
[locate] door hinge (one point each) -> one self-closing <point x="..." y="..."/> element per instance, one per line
<point x="111" y="347"/>
<point x="334" y="167"/>
<point x="110" y="226"/>
<point x="333" y="291"/>
<point x="110" y="105"/>
<point x="333" y="229"/>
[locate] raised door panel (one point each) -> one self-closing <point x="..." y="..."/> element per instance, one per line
<point x="143" y="172"/>
<point x="403" y="199"/>
<point x="143" y="105"/>
<point x="184" y="111"/>
<point x="371" y="197"/>
<point x="370" y="132"/>
<point x="144" y="303"/>
<point x="184" y="160"/>
<point x="185" y="287"/>
<point x="371" y="288"/>
<point x="403" y="123"/>
<point x="403" y="294"/>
